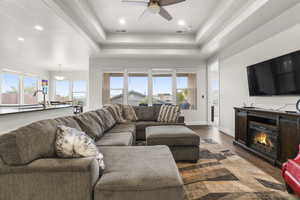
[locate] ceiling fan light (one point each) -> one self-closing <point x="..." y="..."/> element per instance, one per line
<point x="154" y="8"/>
<point x="59" y="78"/>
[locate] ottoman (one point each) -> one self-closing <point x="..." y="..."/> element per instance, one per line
<point x="139" y="172"/>
<point x="182" y="141"/>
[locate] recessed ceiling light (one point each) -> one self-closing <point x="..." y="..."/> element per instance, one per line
<point x="122" y="21"/>
<point x="181" y="22"/>
<point x="21" y="39"/>
<point x="39" y="28"/>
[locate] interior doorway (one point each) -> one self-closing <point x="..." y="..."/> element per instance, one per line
<point x="213" y="92"/>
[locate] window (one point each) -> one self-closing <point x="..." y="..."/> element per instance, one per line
<point x="10" y="88"/>
<point x="113" y="88"/>
<point x="137" y="89"/>
<point x="62" y="90"/>
<point x="79" y="92"/>
<point x="30" y="85"/>
<point x="162" y="89"/>
<point x="186" y="91"/>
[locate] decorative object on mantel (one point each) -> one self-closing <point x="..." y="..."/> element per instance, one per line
<point x="59" y="75"/>
<point x="298" y="105"/>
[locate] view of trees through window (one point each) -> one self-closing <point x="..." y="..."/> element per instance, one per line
<point x="137" y="89"/>
<point x="186" y="91"/>
<point x="10" y="89"/>
<point x="30" y="86"/>
<point x="62" y="90"/>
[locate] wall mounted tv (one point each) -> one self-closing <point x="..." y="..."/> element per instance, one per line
<point x="278" y="76"/>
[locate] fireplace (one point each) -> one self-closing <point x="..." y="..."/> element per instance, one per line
<point x="263" y="139"/>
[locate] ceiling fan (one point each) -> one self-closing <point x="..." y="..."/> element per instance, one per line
<point x="154" y="7"/>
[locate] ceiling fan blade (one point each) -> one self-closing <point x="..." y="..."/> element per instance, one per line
<point x="145" y="14"/>
<point x="169" y="2"/>
<point x="165" y="14"/>
<point x="136" y="3"/>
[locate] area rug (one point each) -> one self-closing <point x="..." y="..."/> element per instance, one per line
<point x="221" y="175"/>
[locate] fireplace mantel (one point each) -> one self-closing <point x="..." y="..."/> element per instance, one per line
<point x="286" y="124"/>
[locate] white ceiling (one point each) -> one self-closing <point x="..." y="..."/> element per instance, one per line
<point x="57" y="44"/>
<point x="193" y="12"/>
<point x="79" y="29"/>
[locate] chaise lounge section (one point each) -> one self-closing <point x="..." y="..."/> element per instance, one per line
<point x="31" y="170"/>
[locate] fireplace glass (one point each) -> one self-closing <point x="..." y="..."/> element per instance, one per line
<point x="263" y="139"/>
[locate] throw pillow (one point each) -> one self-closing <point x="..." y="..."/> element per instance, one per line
<point x="116" y="111"/>
<point x="72" y="143"/>
<point x="168" y="113"/>
<point x="129" y="113"/>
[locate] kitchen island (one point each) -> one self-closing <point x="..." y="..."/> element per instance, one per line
<point x="14" y="117"/>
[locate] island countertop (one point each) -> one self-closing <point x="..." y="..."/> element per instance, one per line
<point x="13" y="117"/>
<point x="8" y="110"/>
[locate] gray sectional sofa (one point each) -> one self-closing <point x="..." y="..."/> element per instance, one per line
<point x="30" y="169"/>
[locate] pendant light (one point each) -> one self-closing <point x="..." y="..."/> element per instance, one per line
<point x="59" y="75"/>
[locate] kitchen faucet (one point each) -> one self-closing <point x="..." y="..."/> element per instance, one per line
<point x="44" y="97"/>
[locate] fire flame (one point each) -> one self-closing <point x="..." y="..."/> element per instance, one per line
<point x="261" y="138"/>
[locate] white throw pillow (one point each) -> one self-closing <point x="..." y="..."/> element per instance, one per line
<point x="72" y="143"/>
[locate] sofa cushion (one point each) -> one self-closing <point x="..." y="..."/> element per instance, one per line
<point x="72" y="143"/>
<point x="144" y="113"/>
<point x="118" y="128"/>
<point x="116" y="139"/>
<point x="32" y="142"/>
<point x="139" y="173"/>
<point x="171" y="136"/>
<point x="91" y="124"/>
<point x="107" y="118"/>
<point x="142" y="125"/>
<point x="129" y="127"/>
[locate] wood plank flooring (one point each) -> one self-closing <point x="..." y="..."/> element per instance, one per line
<point x="223" y="139"/>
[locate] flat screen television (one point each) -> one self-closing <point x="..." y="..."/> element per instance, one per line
<point x="278" y="76"/>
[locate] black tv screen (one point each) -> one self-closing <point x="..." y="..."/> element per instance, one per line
<point x="278" y="76"/>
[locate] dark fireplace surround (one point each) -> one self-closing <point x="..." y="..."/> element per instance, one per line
<point x="271" y="135"/>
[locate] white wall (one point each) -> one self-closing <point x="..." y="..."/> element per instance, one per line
<point x="233" y="75"/>
<point x="97" y="65"/>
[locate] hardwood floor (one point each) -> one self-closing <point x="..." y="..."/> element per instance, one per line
<point x="221" y="138"/>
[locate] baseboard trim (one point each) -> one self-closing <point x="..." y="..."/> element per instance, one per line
<point x="196" y="123"/>
<point x="226" y="131"/>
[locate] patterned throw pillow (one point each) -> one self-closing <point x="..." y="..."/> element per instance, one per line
<point x="116" y="111"/>
<point x="168" y="113"/>
<point x="129" y="113"/>
<point x="72" y="143"/>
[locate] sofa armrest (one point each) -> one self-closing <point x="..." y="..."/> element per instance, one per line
<point x="181" y="119"/>
<point x="50" y="179"/>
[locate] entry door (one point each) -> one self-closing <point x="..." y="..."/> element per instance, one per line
<point x="213" y="92"/>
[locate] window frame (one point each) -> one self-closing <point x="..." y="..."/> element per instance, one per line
<point x="21" y="76"/>
<point x="138" y="74"/>
<point x="81" y="92"/>
<point x="23" y="87"/>
<point x="69" y="89"/>
<point x="19" y="87"/>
